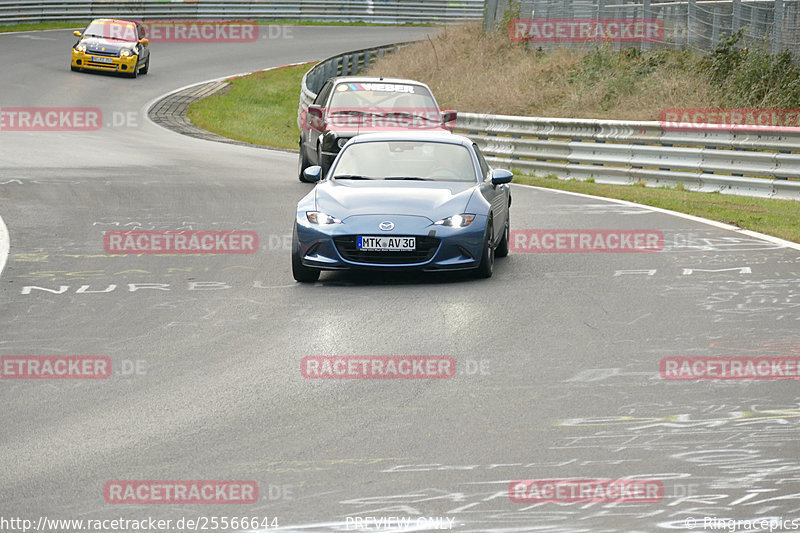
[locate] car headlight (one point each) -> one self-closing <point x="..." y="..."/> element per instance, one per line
<point x="124" y="52"/>
<point x="457" y="221"/>
<point x="341" y="142"/>
<point x="81" y="47"/>
<point x="317" y="217"/>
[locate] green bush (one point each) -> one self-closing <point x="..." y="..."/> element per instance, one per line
<point x="751" y="76"/>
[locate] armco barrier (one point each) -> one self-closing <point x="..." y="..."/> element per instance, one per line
<point x="377" y="11"/>
<point x="762" y="164"/>
<point x="626" y="152"/>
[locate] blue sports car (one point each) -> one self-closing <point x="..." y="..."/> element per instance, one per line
<point x="403" y="201"/>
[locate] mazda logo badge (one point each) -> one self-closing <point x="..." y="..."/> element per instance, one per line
<point x="386" y="226"/>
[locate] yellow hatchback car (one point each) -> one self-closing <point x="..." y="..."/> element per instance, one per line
<point x="112" y="45"/>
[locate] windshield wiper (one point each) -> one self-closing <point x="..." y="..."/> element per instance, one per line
<point x="407" y="178"/>
<point x="415" y="115"/>
<point x="105" y="37"/>
<point x="351" y="177"/>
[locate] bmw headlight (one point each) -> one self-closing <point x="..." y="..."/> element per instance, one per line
<point x="125" y="52"/>
<point x="457" y="221"/>
<point x="318" y="217"/>
<point x="341" y="142"/>
<point x="81" y="47"/>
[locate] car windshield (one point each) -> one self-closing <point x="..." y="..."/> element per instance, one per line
<point x="383" y="97"/>
<point x="406" y="160"/>
<point x="118" y="31"/>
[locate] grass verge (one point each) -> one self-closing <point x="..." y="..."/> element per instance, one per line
<point x="260" y="108"/>
<point x="780" y="218"/>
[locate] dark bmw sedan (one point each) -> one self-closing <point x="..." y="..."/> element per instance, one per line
<point x="403" y="201"/>
<point x="347" y="106"/>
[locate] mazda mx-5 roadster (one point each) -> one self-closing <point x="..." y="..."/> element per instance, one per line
<point x="403" y="201"/>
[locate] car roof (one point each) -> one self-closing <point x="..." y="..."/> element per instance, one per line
<point x="374" y="79"/>
<point x="431" y="136"/>
<point x="121" y="21"/>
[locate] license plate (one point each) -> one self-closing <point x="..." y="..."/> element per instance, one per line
<point x="100" y="59"/>
<point x="387" y="244"/>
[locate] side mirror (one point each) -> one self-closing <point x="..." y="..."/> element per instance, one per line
<point x="316" y="117"/>
<point x="313" y="173"/>
<point x="501" y="176"/>
<point x="449" y="118"/>
<point x="144" y="41"/>
<point x="77" y="33"/>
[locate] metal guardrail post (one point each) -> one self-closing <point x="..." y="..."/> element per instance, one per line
<point x="489" y="14"/>
<point x="777" y="28"/>
<point x="692" y="25"/>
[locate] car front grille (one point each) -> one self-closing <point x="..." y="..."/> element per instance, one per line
<point x="107" y="66"/>
<point x="99" y="53"/>
<point x="425" y="248"/>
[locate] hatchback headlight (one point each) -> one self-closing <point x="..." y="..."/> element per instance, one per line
<point x="125" y="52"/>
<point x="457" y="221"/>
<point x="81" y="47"/>
<point x="318" y="217"/>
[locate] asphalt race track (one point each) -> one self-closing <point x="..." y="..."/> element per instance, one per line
<point x="557" y="356"/>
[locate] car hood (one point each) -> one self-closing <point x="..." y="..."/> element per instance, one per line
<point x="434" y="200"/>
<point x="99" y="44"/>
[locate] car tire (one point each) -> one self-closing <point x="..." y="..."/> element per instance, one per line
<point x="135" y="72"/>
<point x="304" y="163"/>
<point x="146" y="66"/>
<point x="301" y="273"/>
<point x="486" y="267"/>
<point x="502" y="247"/>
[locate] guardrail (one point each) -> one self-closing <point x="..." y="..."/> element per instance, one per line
<point x="627" y="152"/>
<point x="750" y="163"/>
<point x="377" y="11"/>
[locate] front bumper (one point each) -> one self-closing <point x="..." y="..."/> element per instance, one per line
<point x="118" y="64"/>
<point x="330" y="147"/>
<point x="332" y="246"/>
